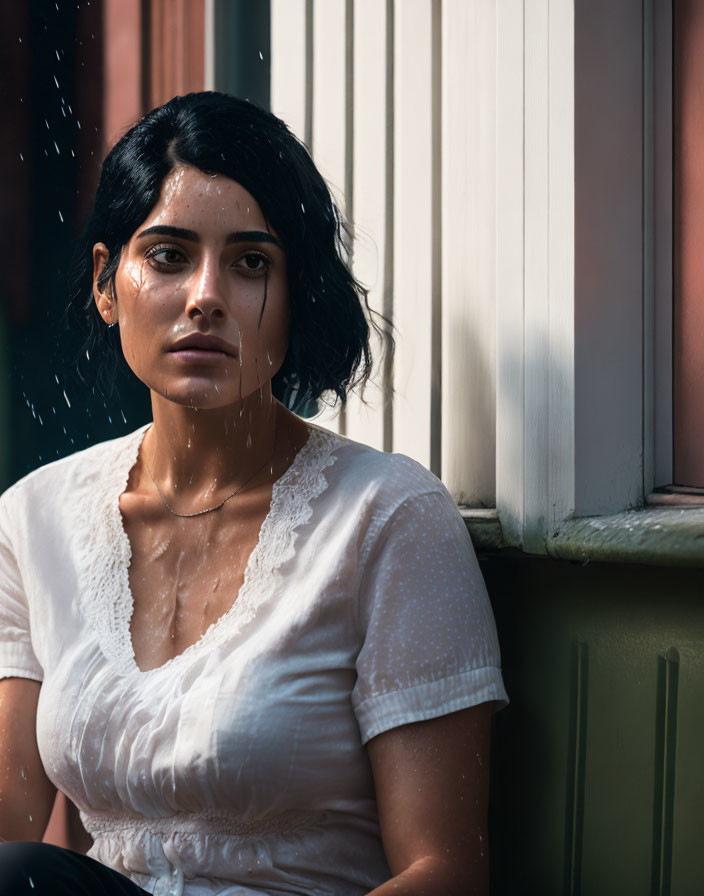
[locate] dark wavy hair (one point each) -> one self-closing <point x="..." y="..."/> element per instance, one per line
<point x="219" y="134"/>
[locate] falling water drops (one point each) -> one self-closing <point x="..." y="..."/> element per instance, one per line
<point x="66" y="397"/>
<point x="61" y="217"/>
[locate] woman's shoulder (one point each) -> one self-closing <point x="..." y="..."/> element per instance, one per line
<point x="61" y="480"/>
<point x="382" y="477"/>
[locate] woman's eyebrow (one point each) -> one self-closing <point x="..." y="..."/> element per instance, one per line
<point x="252" y="236"/>
<point x="240" y="236"/>
<point x="166" y="230"/>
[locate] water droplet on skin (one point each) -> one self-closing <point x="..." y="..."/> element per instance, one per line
<point x="24" y="777"/>
<point x="249" y="440"/>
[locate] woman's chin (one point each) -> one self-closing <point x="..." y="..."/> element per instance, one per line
<point x="207" y="397"/>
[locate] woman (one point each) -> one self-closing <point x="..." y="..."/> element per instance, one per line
<point x="266" y="654"/>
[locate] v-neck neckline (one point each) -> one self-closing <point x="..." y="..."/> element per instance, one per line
<point x="288" y="509"/>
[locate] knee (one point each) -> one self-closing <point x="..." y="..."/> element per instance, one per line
<point x="25" y="867"/>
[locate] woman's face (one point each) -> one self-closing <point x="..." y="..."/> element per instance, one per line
<point x="201" y="293"/>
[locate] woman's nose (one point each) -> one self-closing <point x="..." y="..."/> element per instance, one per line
<point x="206" y="295"/>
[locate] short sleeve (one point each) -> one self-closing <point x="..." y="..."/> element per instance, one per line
<point x="429" y="638"/>
<point x="17" y="656"/>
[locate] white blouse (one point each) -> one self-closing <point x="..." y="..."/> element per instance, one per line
<point x="238" y="768"/>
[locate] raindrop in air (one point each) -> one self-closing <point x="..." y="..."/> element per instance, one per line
<point x="66" y="397"/>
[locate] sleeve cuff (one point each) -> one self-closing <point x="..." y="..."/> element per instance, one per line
<point x="429" y="700"/>
<point x="15" y="663"/>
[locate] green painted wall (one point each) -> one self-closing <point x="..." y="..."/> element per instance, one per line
<point x="598" y="772"/>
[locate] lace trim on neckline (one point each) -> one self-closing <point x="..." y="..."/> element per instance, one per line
<point x="106" y="593"/>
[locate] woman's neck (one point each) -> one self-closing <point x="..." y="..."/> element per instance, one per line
<point x="201" y="454"/>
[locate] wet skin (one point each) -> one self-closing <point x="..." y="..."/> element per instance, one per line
<point x="204" y="263"/>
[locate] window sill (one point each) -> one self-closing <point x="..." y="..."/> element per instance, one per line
<point x="654" y="535"/>
<point x="657" y="536"/>
<point x="484" y="527"/>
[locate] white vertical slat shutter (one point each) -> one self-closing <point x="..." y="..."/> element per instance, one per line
<point x="468" y="250"/>
<point x="288" y="63"/>
<point x="413" y="238"/>
<point x="365" y="422"/>
<point x="329" y="97"/>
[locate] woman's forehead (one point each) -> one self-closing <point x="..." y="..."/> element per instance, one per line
<point x="202" y="200"/>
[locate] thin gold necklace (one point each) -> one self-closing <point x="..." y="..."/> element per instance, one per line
<point x="225" y="500"/>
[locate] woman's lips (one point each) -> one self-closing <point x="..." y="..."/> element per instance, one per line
<point x="201" y="355"/>
<point x="203" y="348"/>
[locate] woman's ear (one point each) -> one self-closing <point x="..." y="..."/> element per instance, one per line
<point x="103" y="298"/>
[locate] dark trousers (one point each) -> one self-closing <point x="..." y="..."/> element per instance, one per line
<point x="38" y="869"/>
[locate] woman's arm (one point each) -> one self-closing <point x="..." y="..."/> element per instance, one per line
<point x="26" y="794"/>
<point x="432" y="787"/>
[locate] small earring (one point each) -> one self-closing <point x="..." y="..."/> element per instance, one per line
<point x="113" y="324"/>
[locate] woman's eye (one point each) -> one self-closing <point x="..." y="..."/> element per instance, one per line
<point x="166" y="255"/>
<point x="254" y="263"/>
